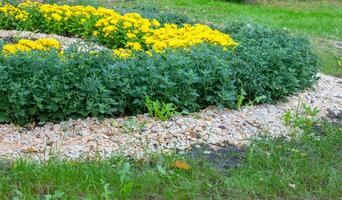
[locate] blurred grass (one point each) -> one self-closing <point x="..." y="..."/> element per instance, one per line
<point x="331" y="56"/>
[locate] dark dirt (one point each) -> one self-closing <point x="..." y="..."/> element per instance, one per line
<point x="336" y="118"/>
<point x="228" y="156"/>
<point x="9" y="40"/>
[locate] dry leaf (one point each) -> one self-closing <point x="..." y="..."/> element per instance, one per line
<point x="180" y="165"/>
<point x="30" y="150"/>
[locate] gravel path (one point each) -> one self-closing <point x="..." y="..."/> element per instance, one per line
<point x="139" y="136"/>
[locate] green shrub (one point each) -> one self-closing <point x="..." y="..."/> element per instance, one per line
<point x="41" y="86"/>
<point x="266" y="66"/>
<point x="271" y="63"/>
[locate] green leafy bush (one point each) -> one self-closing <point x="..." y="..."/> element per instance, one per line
<point x="266" y="66"/>
<point x="271" y="63"/>
<point x="41" y="86"/>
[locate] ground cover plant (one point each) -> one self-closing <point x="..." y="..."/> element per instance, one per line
<point x="188" y="66"/>
<point x="47" y="86"/>
<point x="307" y="166"/>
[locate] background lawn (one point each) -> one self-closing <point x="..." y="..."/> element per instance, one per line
<point x="319" y="20"/>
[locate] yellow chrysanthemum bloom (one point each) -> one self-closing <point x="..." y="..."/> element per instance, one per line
<point x="122" y="53"/>
<point x="56" y="17"/>
<point x="95" y="33"/>
<point x="43" y="44"/>
<point x="9" y="49"/>
<point x="131" y="35"/>
<point x="134" y="45"/>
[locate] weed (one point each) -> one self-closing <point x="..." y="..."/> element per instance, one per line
<point x="303" y="118"/>
<point x="57" y="195"/>
<point x="160" y="110"/>
<point x="241" y="96"/>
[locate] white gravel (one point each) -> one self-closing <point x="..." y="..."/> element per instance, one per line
<point x="140" y="136"/>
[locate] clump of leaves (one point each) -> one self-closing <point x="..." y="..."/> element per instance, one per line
<point x="270" y="63"/>
<point x="303" y="118"/>
<point x="160" y="110"/>
<point x="241" y="97"/>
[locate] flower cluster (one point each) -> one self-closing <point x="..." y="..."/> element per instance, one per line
<point x="43" y="44"/>
<point x="124" y="33"/>
<point x="9" y="12"/>
<point x="172" y="36"/>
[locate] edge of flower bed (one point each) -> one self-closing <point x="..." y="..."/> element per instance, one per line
<point x="65" y="41"/>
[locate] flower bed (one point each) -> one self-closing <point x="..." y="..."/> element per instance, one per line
<point x="43" y="44"/>
<point x="190" y="66"/>
<point x="125" y="33"/>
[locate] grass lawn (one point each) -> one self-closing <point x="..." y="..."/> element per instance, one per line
<point x="320" y="20"/>
<point x="305" y="167"/>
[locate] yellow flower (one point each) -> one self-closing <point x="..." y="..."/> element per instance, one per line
<point x="102" y="22"/>
<point x="109" y="29"/>
<point x="149" y="53"/>
<point x="145" y="29"/>
<point x="43" y="44"/>
<point x="22" y="16"/>
<point x="131" y="35"/>
<point x="134" y="45"/>
<point x="56" y="17"/>
<point x="146" y="33"/>
<point x="127" y="24"/>
<point x="9" y="49"/>
<point x="95" y="33"/>
<point x="155" y="23"/>
<point x="122" y="53"/>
